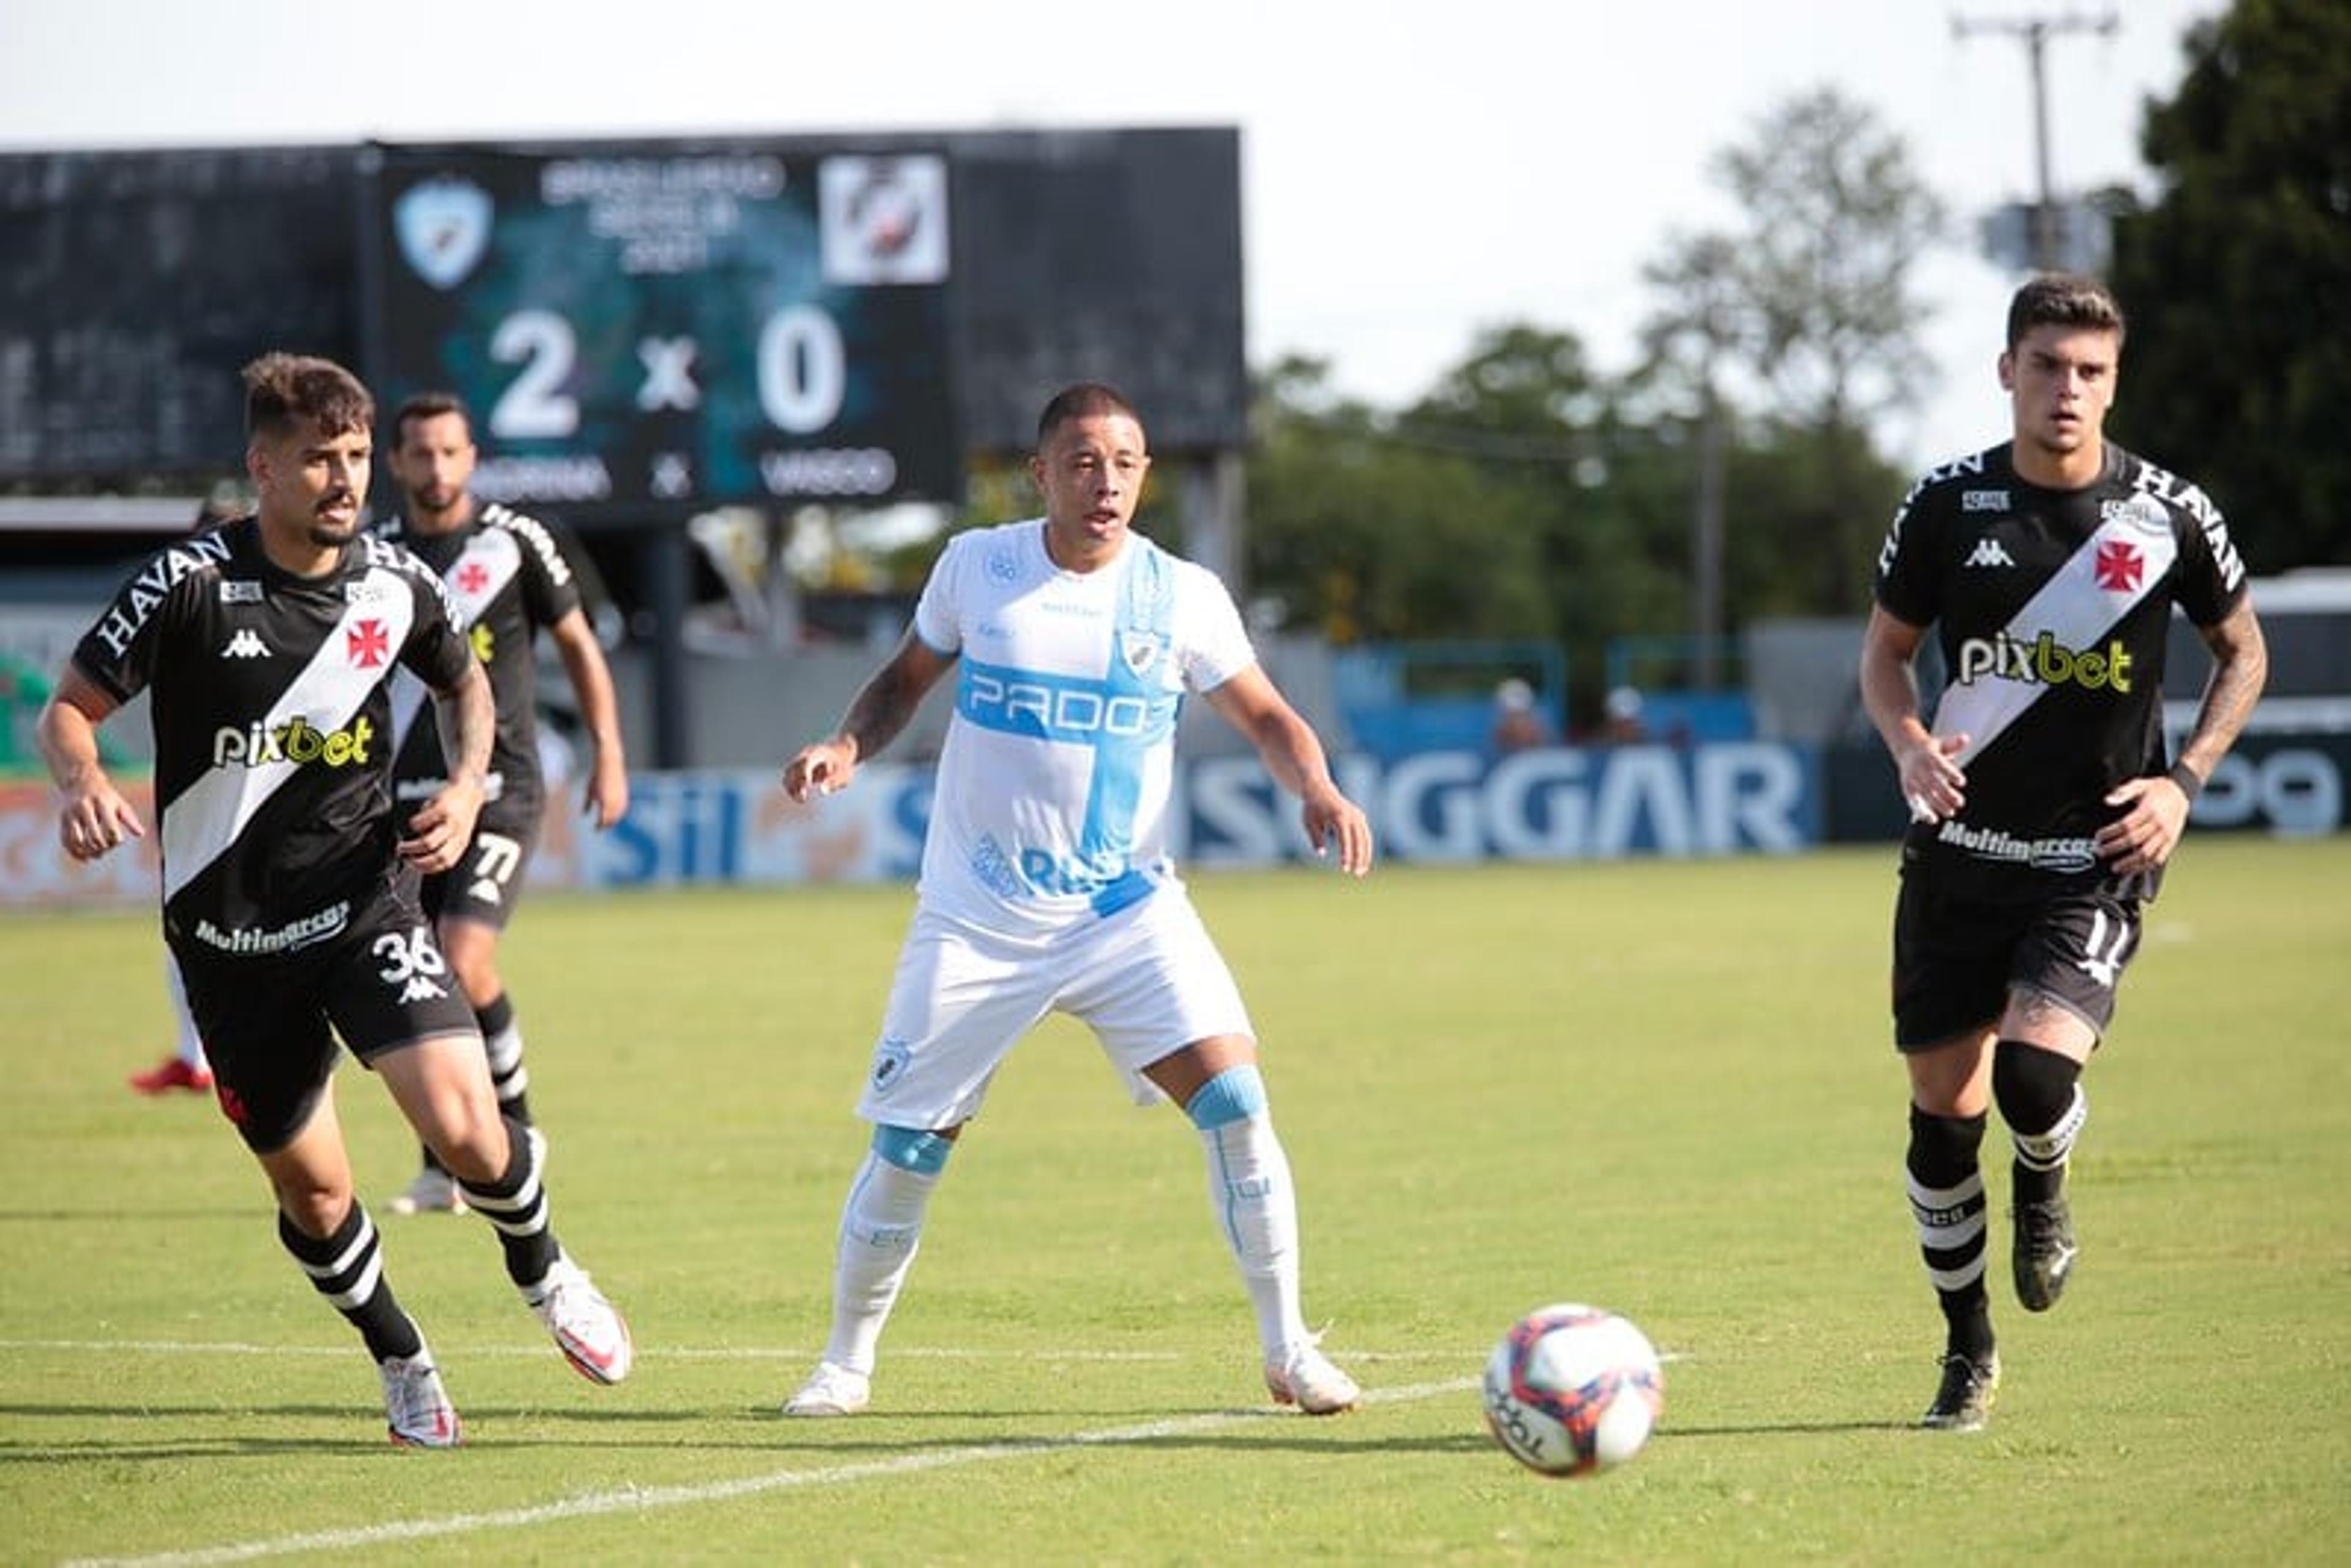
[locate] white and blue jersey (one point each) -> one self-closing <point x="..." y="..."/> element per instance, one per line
<point x="1052" y="788"/>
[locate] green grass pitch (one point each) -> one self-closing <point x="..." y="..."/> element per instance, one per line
<point x="1665" y="1088"/>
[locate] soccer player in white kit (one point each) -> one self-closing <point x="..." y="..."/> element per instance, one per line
<point x="1046" y="884"/>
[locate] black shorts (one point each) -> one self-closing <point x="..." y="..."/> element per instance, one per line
<point x="485" y="885"/>
<point x="271" y="1023"/>
<point x="1956" y="960"/>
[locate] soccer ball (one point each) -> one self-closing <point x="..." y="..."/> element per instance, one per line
<point x="1572" y="1390"/>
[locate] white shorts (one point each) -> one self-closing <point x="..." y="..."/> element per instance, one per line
<point x="1148" y="980"/>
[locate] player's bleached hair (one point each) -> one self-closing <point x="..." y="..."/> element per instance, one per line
<point x="1083" y="399"/>
<point x="284" y="392"/>
<point x="430" y="404"/>
<point x="2064" y="299"/>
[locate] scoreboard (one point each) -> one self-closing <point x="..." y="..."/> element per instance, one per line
<point x="650" y="329"/>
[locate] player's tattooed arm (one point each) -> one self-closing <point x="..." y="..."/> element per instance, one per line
<point x="2154" y="810"/>
<point x="2241" y="667"/>
<point x="880" y="710"/>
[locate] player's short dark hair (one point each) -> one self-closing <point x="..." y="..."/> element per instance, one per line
<point x="1083" y="399"/>
<point x="2064" y="299"/>
<point x="430" y="404"/>
<point x="284" y="391"/>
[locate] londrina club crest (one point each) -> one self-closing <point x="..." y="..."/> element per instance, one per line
<point x="443" y="226"/>
<point x="1140" y="650"/>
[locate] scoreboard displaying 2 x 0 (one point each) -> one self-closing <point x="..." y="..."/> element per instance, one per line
<point x="650" y="329"/>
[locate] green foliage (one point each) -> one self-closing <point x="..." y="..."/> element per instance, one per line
<point x="1665" y="1087"/>
<point x="1365" y="537"/>
<point x="1817" y="278"/>
<point x="1528" y="494"/>
<point x="2237" y="279"/>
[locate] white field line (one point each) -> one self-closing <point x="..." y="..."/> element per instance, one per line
<point x="461" y="1352"/>
<point x="639" y="1498"/>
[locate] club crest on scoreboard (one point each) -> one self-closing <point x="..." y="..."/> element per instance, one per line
<point x="443" y="227"/>
<point x="884" y="218"/>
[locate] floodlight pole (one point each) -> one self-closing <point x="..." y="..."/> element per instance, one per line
<point x="2036" y="32"/>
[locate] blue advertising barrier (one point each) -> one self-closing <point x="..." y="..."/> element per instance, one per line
<point x="1557" y="804"/>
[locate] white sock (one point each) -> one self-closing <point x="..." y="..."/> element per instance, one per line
<point x="1256" y="1213"/>
<point x="880" y="1226"/>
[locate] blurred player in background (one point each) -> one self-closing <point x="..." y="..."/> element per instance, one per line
<point x="186" y="1068"/>
<point x="1046" y="885"/>
<point x="267" y="647"/>
<point x="2043" y="810"/>
<point x="509" y="576"/>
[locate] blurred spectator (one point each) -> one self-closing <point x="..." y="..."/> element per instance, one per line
<point x="1519" y="724"/>
<point x="1621" y="723"/>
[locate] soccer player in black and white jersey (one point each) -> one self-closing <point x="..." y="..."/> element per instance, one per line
<point x="508" y="576"/>
<point x="267" y="647"/>
<point x="2044" y="808"/>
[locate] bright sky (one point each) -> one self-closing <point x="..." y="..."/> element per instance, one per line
<point x="1411" y="174"/>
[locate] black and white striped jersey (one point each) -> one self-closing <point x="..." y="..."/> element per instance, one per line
<point x="2053" y="610"/>
<point x="270" y="703"/>
<point x="508" y="576"/>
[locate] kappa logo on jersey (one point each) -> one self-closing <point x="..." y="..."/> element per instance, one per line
<point x="412" y="963"/>
<point x="368" y="644"/>
<point x="1983" y="501"/>
<point x="2119" y="567"/>
<point x="2045" y="661"/>
<point x="297" y="741"/>
<point x="1990" y="552"/>
<point x="245" y="645"/>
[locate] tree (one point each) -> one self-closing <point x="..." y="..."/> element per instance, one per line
<point x="1810" y="304"/>
<point x="2236" y="279"/>
<point x="1365" y="537"/>
<point x="1528" y="495"/>
<point x="1511" y="502"/>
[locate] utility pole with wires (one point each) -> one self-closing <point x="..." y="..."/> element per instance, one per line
<point x="2036" y="33"/>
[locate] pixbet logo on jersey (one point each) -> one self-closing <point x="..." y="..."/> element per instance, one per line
<point x="2045" y="661"/>
<point x="297" y="741"/>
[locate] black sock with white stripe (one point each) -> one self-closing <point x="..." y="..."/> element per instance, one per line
<point x="516" y="1207"/>
<point x="1947" y="1200"/>
<point x="502" y="1039"/>
<point x="2040" y="1097"/>
<point x="346" y="1268"/>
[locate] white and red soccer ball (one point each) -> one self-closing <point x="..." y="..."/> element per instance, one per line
<point x="1572" y="1390"/>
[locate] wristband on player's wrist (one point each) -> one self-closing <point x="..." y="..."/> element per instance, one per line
<point x="2190" y="783"/>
